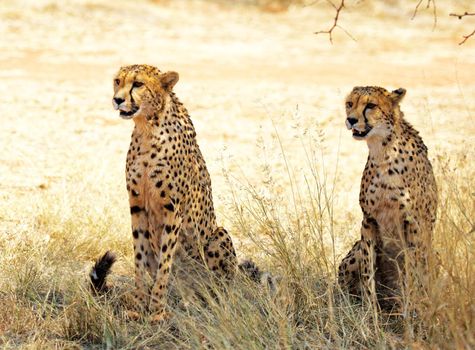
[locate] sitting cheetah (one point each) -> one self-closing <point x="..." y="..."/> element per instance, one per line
<point x="398" y="197"/>
<point x="169" y="188"/>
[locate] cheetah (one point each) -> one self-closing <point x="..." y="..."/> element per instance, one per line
<point x="169" y="189"/>
<point x="398" y="197"/>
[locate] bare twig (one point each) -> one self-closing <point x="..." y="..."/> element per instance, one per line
<point x="460" y="16"/>
<point x="417" y="9"/>
<point x="434" y="9"/>
<point x="434" y="6"/>
<point x="465" y="37"/>
<point x="335" y="22"/>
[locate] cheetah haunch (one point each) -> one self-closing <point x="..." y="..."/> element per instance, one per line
<point x="169" y="186"/>
<point x="398" y="196"/>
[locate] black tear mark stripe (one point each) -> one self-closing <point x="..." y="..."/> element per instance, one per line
<point x="364" y="112"/>
<point x="364" y="115"/>
<point x="135" y="209"/>
<point x="132" y="102"/>
<point x="169" y="207"/>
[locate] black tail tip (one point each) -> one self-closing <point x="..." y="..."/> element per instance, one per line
<point x="250" y="269"/>
<point x="100" y="271"/>
<point x="265" y="279"/>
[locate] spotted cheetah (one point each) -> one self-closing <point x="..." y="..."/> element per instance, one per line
<point x="169" y="188"/>
<point x="398" y="197"/>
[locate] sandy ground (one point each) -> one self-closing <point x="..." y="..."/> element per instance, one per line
<point x="244" y="73"/>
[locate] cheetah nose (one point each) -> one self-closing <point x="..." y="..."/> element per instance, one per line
<point x="118" y="100"/>
<point x="352" y="121"/>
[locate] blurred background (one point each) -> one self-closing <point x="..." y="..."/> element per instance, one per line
<point x="247" y="69"/>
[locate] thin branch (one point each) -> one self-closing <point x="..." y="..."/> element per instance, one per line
<point x="434" y="6"/>
<point x="335" y="21"/>
<point x="460" y="16"/>
<point x="465" y="37"/>
<point x="347" y="33"/>
<point x="416" y="9"/>
<point x="434" y="9"/>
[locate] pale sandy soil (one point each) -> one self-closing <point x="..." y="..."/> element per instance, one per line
<point x="242" y="71"/>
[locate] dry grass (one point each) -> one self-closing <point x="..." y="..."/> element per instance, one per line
<point x="45" y="301"/>
<point x="266" y="98"/>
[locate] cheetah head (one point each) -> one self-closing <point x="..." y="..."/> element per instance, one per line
<point x="141" y="90"/>
<point x="370" y="111"/>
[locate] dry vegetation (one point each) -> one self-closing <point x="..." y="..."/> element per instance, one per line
<point x="266" y="96"/>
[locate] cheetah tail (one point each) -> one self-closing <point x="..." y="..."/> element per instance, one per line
<point x="264" y="278"/>
<point x="100" y="271"/>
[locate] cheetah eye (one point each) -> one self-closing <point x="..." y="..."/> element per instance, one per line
<point x="370" y="105"/>
<point x="117" y="81"/>
<point x="137" y="84"/>
<point x="349" y="104"/>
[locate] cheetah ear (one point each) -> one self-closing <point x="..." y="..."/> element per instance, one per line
<point x="168" y="80"/>
<point x="397" y="95"/>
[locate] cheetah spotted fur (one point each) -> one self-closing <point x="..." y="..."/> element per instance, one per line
<point x="398" y="197"/>
<point x="169" y="187"/>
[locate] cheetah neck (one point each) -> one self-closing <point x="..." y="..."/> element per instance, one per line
<point x="403" y="138"/>
<point x="172" y="112"/>
<point x="142" y="126"/>
<point x="377" y="152"/>
<point x="382" y="149"/>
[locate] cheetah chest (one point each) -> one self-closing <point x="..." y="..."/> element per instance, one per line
<point x="384" y="197"/>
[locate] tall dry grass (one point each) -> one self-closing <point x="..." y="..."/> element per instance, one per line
<point x="45" y="301"/>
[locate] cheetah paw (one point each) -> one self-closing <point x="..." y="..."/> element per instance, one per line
<point x="133" y="315"/>
<point x="159" y="317"/>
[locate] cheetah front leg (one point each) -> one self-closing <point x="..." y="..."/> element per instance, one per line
<point x="369" y="231"/>
<point x="170" y="227"/>
<point x="144" y="258"/>
<point x="357" y="270"/>
<point x="349" y="275"/>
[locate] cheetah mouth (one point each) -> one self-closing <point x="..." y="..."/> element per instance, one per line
<point x="128" y="114"/>
<point x="359" y="135"/>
